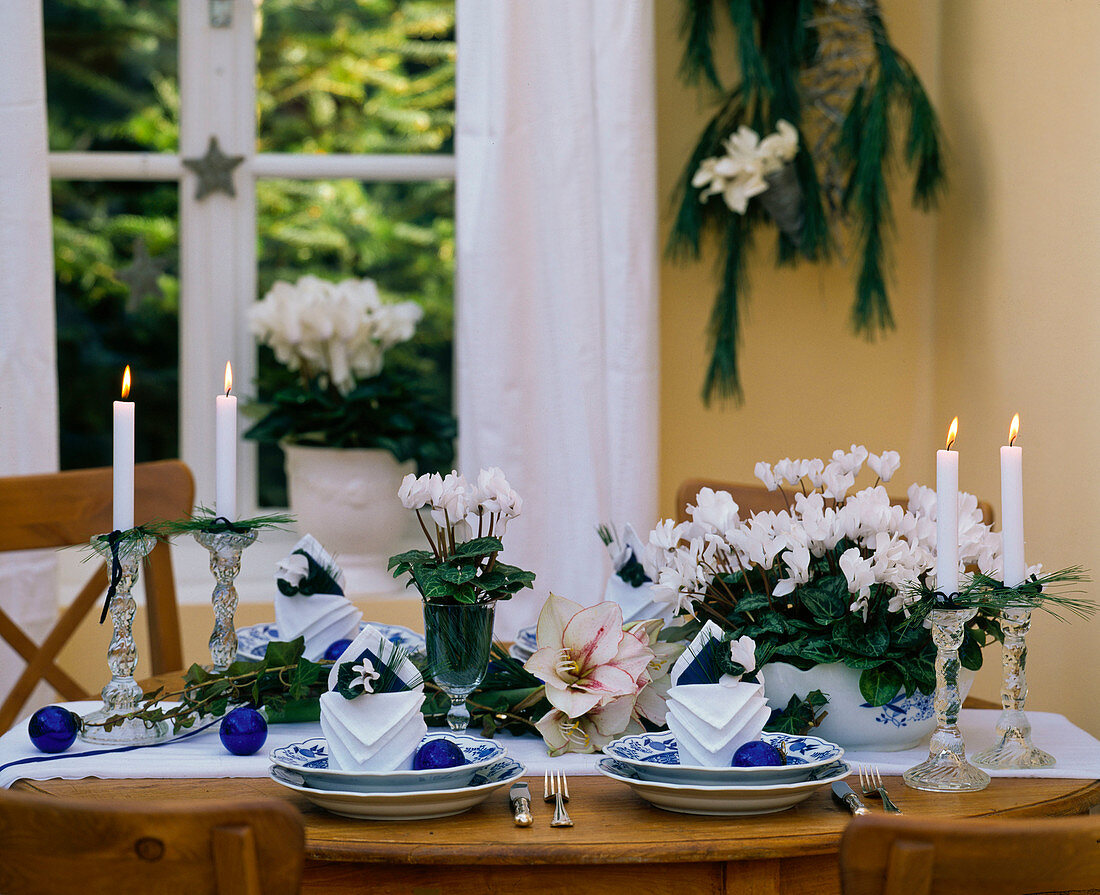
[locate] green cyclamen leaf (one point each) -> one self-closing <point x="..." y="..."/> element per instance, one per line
<point x="879" y="685"/>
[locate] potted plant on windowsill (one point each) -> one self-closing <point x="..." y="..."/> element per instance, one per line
<point x="828" y="590"/>
<point x="350" y="426"/>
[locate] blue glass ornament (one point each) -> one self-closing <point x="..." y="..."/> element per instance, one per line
<point x="336" y="649"/>
<point x="243" y="731"/>
<point x="757" y="754"/>
<point x="436" y="754"/>
<point x="53" y="728"/>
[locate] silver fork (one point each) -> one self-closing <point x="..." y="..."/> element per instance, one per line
<point x="870" y="781"/>
<point x="556" y="787"/>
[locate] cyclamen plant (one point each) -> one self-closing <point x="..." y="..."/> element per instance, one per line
<point x="461" y="566"/>
<point x="833" y="578"/>
<point x="334" y="389"/>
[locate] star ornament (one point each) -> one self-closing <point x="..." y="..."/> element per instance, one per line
<point x="141" y="277"/>
<point x="215" y="171"/>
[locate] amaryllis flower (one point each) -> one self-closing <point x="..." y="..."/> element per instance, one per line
<point x="584" y="656"/>
<point x="590" y="732"/>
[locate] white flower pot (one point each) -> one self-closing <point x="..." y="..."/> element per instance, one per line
<point x="900" y="724"/>
<point x="347" y="499"/>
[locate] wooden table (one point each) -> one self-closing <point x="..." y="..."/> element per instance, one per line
<point x="620" y="844"/>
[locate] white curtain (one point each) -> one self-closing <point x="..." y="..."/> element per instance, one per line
<point x="556" y="330"/>
<point x="28" y="407"/>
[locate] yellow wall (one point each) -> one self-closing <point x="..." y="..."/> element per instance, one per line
<point x="1017" y="279"/>
<point x="995" y="299"/>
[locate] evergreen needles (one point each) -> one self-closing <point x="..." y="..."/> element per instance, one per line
<point x="831" y="71"/>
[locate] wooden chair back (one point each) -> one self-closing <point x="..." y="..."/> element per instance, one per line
<point x="916" y="856"/>
<point x="50" y="845"/>
<point x="69" y="508"/>
<point x="758" y="499"/>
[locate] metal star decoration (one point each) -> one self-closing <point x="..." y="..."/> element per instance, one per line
<point x="215" y="170"/>
<point x="141" y="276"/>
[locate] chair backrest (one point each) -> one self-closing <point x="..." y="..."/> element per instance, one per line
<point x="69" y="508"/>
<point x="758" y="499"/>
<point x="50" y="845"/>
<point x="917" y="856"/>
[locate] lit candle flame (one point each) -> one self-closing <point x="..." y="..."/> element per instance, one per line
<point x="952" y="432"/>
<point x="1014" y="429"/>
<point x="126" y="382"/>
<point x="228" y="378"/>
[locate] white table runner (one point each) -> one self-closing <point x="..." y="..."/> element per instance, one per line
<point x="202" y="754"/>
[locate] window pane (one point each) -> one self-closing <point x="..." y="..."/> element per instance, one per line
<point x="112" y="74"/>
<point x="116" y="257"/>
<point x="401" y="235"/>
<point x="356" y="76"/>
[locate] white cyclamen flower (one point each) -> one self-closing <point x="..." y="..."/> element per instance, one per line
<point x="884" y="465"/>
<point x="415" y="492"/>
<point x="743" y="652"/>
<point x="714" y="510"/>
<point x="763" y="471"/>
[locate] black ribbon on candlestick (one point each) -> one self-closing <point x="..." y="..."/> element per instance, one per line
<point x="222" y="524"/>
<point x="113" y="540"/>
<point x="946" y="601"/>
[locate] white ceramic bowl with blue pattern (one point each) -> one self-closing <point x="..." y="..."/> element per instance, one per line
<point x="252" y="640"/>
<point x="310" y="761"/>
<point x="656" y="757"/>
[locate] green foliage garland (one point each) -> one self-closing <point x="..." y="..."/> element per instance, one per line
<point x="830" y="70"/>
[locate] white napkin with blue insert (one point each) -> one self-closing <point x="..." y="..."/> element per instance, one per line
<point x="310" y="602"/>
<point x="629" y="584"/>
<point x="711" y="714"/>
<point x="371" y="714"/>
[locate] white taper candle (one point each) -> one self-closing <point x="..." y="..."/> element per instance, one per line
<point x="947" y="515"/>
<point x="1012" y="508"/>
<point x="122" y="498"/>
<point x="225" y="451"/>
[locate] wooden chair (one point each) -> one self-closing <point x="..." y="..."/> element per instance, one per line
<point x="69" y="508"/>
<point x="758" y="499"/>
<point x="917" y="856"/>
<point x="50" y="845"/>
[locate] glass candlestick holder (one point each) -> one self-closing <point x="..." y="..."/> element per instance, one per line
<point x="1013" y="748"/>
<point x="946" y="769"/>
<point x="225" y="563"/>
<point x="122" y="694"/>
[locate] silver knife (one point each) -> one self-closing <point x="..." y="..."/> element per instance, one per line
<point x="520" y="797"/>
<point x="844" y="795"/>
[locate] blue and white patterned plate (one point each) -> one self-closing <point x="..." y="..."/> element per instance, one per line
<point x="253" y="639"/>
<point x="723" y="800"/>
<point x="415" y="805"/>
<point x="525" y="643"/>
<point x="656" y="757"/>
<point x="309" y="760"/>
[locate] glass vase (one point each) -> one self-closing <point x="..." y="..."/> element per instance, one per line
<point x="1014" y="748"/>
<point x="946" y="769"/>
<point x="458" y="637"/>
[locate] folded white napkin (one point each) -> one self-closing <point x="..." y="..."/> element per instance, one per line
<point x="637" y="603"/>
<point x="311" y="602"/>
<point x="711" y="719"/>
<point x="376" y="731"/>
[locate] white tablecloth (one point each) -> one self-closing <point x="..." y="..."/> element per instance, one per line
<point x="202" y="754"/>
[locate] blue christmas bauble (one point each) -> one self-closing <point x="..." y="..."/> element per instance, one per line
<point x="757" y="754"/>
<point x="436" y="754"/>
<point x="243" y="731"/>
<point x="53" y="728"/>
<point x="336" y="649"/>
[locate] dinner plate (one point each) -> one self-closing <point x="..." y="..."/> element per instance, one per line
<point x="656" y="757"/>
<point x="310" y="760"/>
<point x="252" y="640"/>
<point x="724" y="800"/>
<point x="419" y="805"/>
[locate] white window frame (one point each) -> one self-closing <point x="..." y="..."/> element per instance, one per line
<point x="217" y="235"/>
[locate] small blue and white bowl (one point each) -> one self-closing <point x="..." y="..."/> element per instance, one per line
<point x="310" y="761"/>
<point x="525" y="644"/>
<point x="252" y="640"/>
<point x="656" y="757"/>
